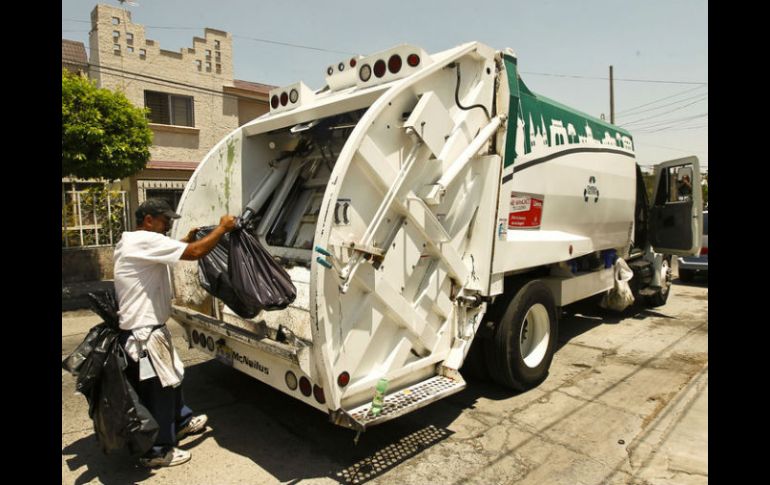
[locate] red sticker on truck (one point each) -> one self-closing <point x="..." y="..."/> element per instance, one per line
<point x="526" y="211"/>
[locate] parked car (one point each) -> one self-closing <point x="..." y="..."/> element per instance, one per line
<point x="689" y="266"/>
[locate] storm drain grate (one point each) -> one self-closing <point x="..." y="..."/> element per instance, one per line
<point x="413" y="396"/>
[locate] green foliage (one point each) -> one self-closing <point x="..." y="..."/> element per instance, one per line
<point x="103" y="134"/>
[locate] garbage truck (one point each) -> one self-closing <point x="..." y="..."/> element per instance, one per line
<point x="430" y="210"/>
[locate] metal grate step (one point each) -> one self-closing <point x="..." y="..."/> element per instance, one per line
<point x="408" y="399"/>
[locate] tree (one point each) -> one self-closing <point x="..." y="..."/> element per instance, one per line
<point x="103" y="134"/>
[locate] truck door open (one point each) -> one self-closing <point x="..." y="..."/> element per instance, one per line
<point x="676" y="215"/>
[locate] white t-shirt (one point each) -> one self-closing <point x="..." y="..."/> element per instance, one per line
<point x="142" y="277"/>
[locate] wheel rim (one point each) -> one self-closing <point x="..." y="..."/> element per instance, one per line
<point x="665" y="277"/>
<point x="534" y="335"/>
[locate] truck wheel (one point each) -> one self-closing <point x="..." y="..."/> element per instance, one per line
<point x="520" y="352"/>
<point x="660" y="296"/>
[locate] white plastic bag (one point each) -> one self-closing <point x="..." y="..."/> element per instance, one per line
<point x="620" y="296"/>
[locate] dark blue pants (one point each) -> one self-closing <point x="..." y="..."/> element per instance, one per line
<point x="166" y="404"/>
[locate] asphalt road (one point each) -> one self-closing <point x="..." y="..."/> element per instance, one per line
<point x="626" y="402"/>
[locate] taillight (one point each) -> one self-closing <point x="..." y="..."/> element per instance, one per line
<point x="291" y="380"/>
<point x="293" y="95"/>
<point x="274" y="101"/>
<point x="365" y="72"/>
<point x="394" y="63"/>
<point x="353" y="62"/>
<point x="304" y="386"/>
<point x="284" y="98"/>
<point x="704" y="251"/>
<point x="379" y="68"/>
<point x="319" y="394"/>
<point x="413" y="60"/>
<point x="343" y="379"/>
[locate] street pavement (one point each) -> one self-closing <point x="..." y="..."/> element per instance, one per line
<point x="626" y="402"/>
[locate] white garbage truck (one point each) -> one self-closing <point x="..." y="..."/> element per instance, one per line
<point x="421" y="203"/>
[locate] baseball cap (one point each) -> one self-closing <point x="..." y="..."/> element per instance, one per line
<point x="155" y="207"/>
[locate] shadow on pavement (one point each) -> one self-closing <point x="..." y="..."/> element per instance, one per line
<point x="294" y="442"/>
<point x="115" y="469"/>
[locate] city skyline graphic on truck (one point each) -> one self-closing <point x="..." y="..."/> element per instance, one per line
<point x="545" y="126"/>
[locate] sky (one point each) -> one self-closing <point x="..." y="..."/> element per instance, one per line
<point x="658" y="49"/>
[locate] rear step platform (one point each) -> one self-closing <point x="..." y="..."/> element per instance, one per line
<point x="403" y="401"/>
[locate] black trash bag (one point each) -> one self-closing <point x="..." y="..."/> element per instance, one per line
<point x="87" y="360"/>
<point x="257" y="278"/>
<point x="74" y="362"/>
<point x="214" y="277"/>
<point x="105" y="304"/>
<point x="120" y="420"/>
<point x="242" y="273"/>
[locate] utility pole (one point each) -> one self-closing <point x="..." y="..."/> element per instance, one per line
<point x="612" y="100"/>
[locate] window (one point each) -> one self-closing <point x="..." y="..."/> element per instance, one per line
<point x="208" y="67"/>
<point x="172" y="196"/>
<point x="208" y="54"/>
<point x="219" y="68"/>
<point x="169" y="109"/>
<point x="129" y="37"/>
<point x="115" y="21"/>
<point x="218" y="56"/>
<point x="216" y="44"/>
<point x="199" y="64"/>
<point x="116" y="48"/>
<point x="142" y="53"/>
<point x="115" y="34"/>
<point x="130" y="49"/>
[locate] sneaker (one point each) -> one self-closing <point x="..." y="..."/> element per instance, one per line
<point x="196" y="425"/>
<point x="173" y="457"/>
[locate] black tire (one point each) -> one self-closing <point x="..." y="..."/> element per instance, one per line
<point x="660" y="296"/>
<point x="504" y="351"/>
<point x="686" y="275"/>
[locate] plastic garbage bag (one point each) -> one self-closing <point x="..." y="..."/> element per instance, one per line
<point x="120" y="420"/>
<point x="620" y="296"/>
<point x="242" y="273"/>
<point x="74" y="362"/>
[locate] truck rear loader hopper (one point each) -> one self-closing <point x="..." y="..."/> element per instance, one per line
<point x="406" y="198"/>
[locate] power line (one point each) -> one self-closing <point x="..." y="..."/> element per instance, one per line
<point x="614" y="78"/>
<point x="661" y="146"/>
<point x="161" y="82"/>
<point x="300" y="46"/>
<point x="267" y="41"/>
<point x="656" y="100"/>
<point x="671" y="123"/>
<point x="704" y="96"/>
<point x="659" y="114"/>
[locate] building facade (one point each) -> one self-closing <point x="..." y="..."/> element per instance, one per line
<point x="191" y="94"/>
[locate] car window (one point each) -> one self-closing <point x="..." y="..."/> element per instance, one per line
<point x="705" y="223"/>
